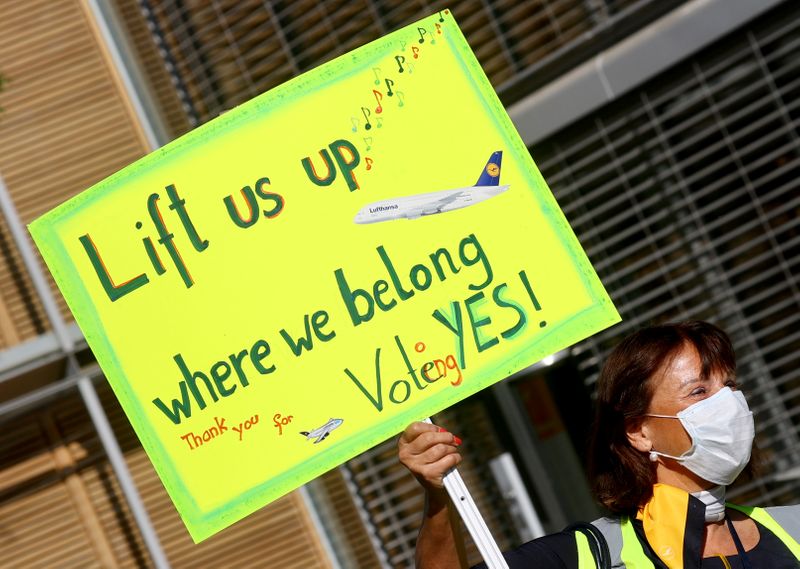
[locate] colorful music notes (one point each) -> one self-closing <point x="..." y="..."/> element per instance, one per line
<point x="389" y="84"/>
<point x="354" y="120"/>
<point x="379" y="122"/>
<point x="441" y="19"/>
<point x="415" y="50"/>
<point x="369" y="161"/>
<point x="377" y="72"/>
<point x="400" y="96"/>
<point x="366" y="113"/>
<point x="378" y="98"/>
<point x="422" y="32"/>
<point x="439" y="29"/>
<point x="368" y="142"/>
<point x="402" y="45"/>
<point x="400" y="60"/>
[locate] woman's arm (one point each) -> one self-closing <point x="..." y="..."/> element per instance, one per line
<point x="429" y="452"/>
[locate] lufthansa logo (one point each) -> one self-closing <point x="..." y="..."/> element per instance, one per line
<point x="493" y="169"/>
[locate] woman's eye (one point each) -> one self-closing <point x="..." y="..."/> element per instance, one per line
<point x="732" y="384"/>
<point x="698" y="391"/>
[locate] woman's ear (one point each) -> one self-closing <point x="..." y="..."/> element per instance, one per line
<point x="638" y="435"/>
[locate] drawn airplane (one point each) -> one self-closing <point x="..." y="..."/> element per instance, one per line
<point x="412" y="207"/>
<point x="321" y="433"/>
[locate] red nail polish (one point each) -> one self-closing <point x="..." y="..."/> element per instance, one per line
<point x="456" y="441"/>
<point x="441" y="430"/>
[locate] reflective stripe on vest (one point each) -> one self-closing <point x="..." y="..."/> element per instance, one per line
<point x="633" y="555"/>
<point x="627" y="549"/>
<point x="585" y="557"/>
<point x="763" y="517"/>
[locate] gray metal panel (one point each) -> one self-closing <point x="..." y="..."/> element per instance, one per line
<point x="575" y="94"/>
<point x="219" y="55"/>
<point x="630" y="63"/>
<point x="32" y="353"/>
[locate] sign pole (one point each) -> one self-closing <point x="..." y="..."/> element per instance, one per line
<point x="473" y="520"/>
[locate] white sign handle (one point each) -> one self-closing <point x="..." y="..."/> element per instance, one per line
<point x="476" y="526"/>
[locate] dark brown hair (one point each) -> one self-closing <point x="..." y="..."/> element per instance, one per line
<point x="622" y="477"/>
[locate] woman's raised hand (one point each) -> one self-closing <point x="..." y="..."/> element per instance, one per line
<point x="428" y="452"/>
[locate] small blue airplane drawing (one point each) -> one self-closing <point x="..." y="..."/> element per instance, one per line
<point x="413" y="207"/>
<point x="321" y="433"/>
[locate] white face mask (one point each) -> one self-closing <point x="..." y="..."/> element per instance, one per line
<point x="722" y="432"/>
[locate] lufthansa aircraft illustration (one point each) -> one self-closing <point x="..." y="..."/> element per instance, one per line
<point x="321" y="433"/>
<point x="412" y="207"/>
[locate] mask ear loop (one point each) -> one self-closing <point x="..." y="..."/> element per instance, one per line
<point x="653" y="456"/>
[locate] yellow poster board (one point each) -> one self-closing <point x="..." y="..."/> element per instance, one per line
<point x="297" y="280"/>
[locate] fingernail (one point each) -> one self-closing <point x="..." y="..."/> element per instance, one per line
<point x="456" y="441"/>
<point x="441" y="430"/>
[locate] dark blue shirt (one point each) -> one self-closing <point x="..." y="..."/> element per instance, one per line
<point x="557" y="551"/>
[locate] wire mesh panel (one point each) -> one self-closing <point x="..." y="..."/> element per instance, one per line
<point x="685" y="195"/>
<point x="220" y="53"/>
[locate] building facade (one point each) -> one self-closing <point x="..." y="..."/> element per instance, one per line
<point x="667" y="130"/>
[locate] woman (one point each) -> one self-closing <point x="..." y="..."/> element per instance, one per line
<point x="671" y="432"/>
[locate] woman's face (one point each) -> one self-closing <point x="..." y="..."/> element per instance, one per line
<point x="675" y="387"/>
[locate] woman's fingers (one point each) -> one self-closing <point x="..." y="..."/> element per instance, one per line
<point x="419" y="437"/>
<point x="428" y="452"/>
<point x="438" y="468"/>
<point x="416" y="429"/>
<point x="436" y="452"/>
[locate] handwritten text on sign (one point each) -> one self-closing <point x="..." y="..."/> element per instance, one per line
<point x="295" y="281"/>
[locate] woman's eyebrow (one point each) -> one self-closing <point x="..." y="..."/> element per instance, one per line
<point x="691" y="380"/>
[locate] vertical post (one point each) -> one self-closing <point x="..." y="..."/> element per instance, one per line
<point x="473" y="520"/>
<point x="532" y="463"/>
<point x="117" y="460"/>
<point x="85" y="385"/>
<point x="319" y="527"/>
<point x="100" y="19"/>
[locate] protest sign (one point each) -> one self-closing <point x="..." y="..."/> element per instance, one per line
<point x="297" y="280"/>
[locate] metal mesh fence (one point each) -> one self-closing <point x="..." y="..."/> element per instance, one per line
<point x="685" y="196"/>
<point x="220" y="53"/>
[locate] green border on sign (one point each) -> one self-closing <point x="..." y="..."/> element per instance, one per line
<point x="202" y="524"/>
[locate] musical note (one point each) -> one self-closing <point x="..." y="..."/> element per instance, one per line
<point x="402" y="45"/>
<point x="389" y="84"/>
<point x="422" y="32"/>
<point x="441" y="19"/>
<point x="439" y="29"/>
<point x="377" y="72"/>
<point x="410" y="68"/>
<point x="369" y="161"/>
<point x="368" y="142"/>
<point x="415" y="49"/>
<point x="354" y="120"/>
<point x="380" y="122"/>
<point x="400" y="60"/>
<point x="400" y="97"/>
<point x="366" y="113"/>
<point x="378" y="97"/>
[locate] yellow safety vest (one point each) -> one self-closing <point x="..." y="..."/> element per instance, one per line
<point x="626" y="550"/>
